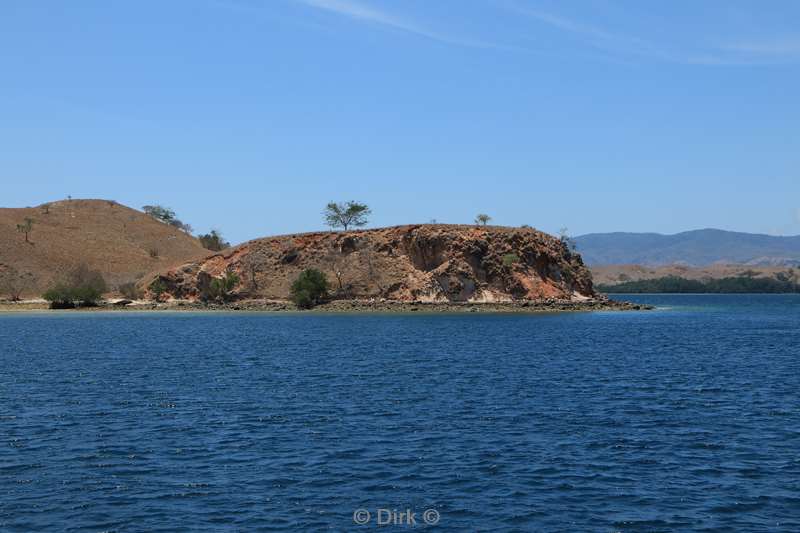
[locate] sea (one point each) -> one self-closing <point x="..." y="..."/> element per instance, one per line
<point x="681" y="418"/>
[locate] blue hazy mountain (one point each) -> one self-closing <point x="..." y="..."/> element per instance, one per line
<point x="698" y="247"/>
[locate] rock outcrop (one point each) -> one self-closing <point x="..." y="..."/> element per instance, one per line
<point x="426" y="263"/>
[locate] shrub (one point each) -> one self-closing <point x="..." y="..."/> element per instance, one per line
<point x="183" y="226"/>
<point x="82" y="287"/>
<point x="309" y="289"/>
<point x="220" y="288"/>
<point x="60" y="297"/>
<point x="153" y="253"/>
<point x="130" y="291"/>
<point x="213" y="241"/>
<point x="157" y="288"/>
<point x="510" y="259"/>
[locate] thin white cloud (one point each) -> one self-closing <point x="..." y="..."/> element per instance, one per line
<point x="745" y="53"/>
<point x="569" y="25"/>
<point x="614" y="45"/>
<point x="360" y="12"/>
<point x="776" y="47"/>
<point x="601" y="38"/>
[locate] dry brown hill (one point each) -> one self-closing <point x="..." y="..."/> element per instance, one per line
<point x="614" y="274"/>
<point x="406" y="263"/>
<point x="122" y="243"/>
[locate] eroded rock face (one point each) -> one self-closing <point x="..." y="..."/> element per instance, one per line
<point x="431" y="262"/>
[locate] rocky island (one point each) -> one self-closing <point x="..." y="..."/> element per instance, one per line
<point x="435" y="267"/>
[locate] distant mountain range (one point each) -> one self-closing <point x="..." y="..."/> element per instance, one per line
<point x="695" y="248"/>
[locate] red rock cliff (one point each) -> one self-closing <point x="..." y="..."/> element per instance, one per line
<point x="429" y="262"/>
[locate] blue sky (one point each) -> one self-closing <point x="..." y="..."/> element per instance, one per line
<point x="250" y="115"/>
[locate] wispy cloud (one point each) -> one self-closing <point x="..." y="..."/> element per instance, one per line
<point x="570" y="25"/>
<point x="363" y="13"/>
<point x="787" y="46"/>
<point x="741" y="53"/>
<point x="601" y="38"/>
<point x="614" y="45"/>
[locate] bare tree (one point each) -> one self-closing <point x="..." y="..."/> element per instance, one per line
<point x="344" y="215"/>
<point x="250" y="266"/>
<point x="336" y="262"/>
<point x="372" y="272"/>
<point x="13" y="283"/>
<point x="482" y="219"/>
<point x="566" y="239"/>
<point x="183" y="226"/>
<point x="338" y="272"/>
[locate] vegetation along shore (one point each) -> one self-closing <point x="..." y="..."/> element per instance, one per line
<point x="783" y="283"/>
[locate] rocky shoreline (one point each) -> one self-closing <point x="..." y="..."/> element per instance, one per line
<point x="352" y="306"/>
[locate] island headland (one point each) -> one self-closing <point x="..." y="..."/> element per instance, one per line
<point x="145" y="263"/>
<point x="412" y="267"/>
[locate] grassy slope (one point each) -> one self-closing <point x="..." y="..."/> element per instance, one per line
<point x="107" y="236"/>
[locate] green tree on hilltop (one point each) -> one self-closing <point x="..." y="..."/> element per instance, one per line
<point x="344" y="215"/>
<point x="167" y="216"/>
<point x="159" y="212"/>
<point x="482" y="219"/>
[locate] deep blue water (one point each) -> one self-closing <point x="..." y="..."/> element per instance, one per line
<point x="686" y="418"/>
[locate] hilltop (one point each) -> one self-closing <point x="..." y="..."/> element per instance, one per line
<point x="693" y="248"/>
<point x="424" y="263"/>
<point x="120" y="242"/>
